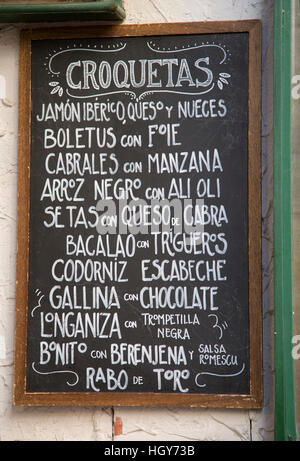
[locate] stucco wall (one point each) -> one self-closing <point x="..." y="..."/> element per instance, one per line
<point x="125" y="424"/>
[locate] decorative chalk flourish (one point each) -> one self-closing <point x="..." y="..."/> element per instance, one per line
<point x="217" y="325"/>
<point x="109" y="93"/>
<point x="57" y="371"/>
<point x="223" y="76"/>
<point x="188" y="48"/>
<point x="104" y="50"/>
<point x="40" y="296"/>
<point x="133" y="95"/>
<point x="218" y="375"/>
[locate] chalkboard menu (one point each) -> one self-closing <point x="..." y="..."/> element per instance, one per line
<point x="138" y="276"/>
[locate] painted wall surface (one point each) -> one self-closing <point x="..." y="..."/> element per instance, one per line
<point x="129" y="424"/>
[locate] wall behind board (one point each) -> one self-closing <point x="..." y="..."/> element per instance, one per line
<point x="129" y="424"/>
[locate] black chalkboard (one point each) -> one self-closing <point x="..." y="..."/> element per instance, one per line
<point x="139" y="225"/>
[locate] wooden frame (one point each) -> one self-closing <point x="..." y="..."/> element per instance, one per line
<point x="255" y="397"/>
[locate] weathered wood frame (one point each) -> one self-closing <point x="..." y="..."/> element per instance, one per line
<point x="255" y="397"/>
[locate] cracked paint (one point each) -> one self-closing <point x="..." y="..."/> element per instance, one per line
<point x="118" y="426"/>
